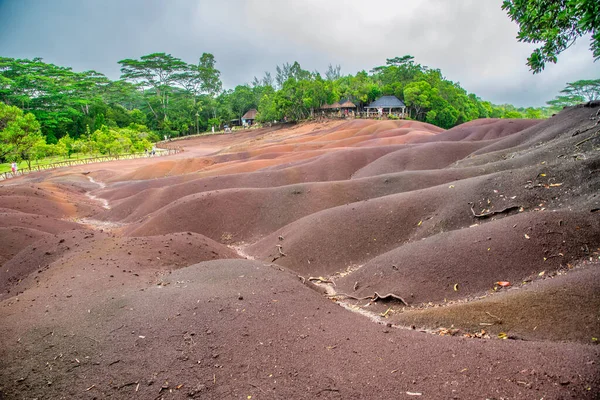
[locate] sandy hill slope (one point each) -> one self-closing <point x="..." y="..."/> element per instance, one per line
<point x="340" y="259"/>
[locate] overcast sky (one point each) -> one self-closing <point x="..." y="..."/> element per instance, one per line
<point x="471" y="41"/>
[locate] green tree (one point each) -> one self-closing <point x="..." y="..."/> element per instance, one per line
<point x="587" y="89"/>
<point x="333" y="73"/>
<point x="201" y="78"/>
<point x="513" y="114"/>
<point x="533" y="113"/>
<point x="561" y="102"/>
<point x="20" y="135"/>
<point x="419" y="96"/>
<point x="575" y="93"/>
<point x="242" y="99"/>
<point x="156" y="71"/>
<point x="443" y="114"/>
<point x="64" y="147"/>
<point x="137" y="117"/>
<point x="556" y="25"/>
<point x="106" y="142"/>
<point x="267" y="106"/>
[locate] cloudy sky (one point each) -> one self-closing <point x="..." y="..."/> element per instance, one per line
<point x="471" y="41"/>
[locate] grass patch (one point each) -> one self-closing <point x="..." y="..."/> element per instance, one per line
<point x="47" y="160"/>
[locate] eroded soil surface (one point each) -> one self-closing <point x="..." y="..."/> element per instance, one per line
<point x="341" y="260"/>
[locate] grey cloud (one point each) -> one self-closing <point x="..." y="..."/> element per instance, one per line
<point x="471" y="41"/>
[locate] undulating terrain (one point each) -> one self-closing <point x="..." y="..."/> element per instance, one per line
<point x="336" y="260"/>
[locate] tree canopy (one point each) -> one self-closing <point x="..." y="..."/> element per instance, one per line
<point x="556" y="25"/>
<point x="575" y="93"/>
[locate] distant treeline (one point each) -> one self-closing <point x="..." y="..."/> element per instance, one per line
<point x="21" y="139"/>
<point x="171" y="97"/>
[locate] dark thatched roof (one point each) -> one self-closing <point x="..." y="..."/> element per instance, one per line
<point x="331" y="106"/>
<point x="250" y="114"/>
<point x="347" y="104"/>
<point x="387" y="102"/>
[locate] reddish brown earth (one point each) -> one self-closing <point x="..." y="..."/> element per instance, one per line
<point x="251" y="266"/>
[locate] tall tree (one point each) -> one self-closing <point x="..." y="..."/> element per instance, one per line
<point x="587" y="89"/>
<point x="333" y="73"/>
<point x="209" y="75"/>
<point x="157" y="71"/>
<point x="556" y="25"/>
<point x="242" y="99"/>
<point x="198" y="79"/>
<point x="267" y="79"/>
<point x="560" y="102"/>
<point x="282" y="74"/>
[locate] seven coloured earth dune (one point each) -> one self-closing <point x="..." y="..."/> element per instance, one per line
<point x="336" y="260"/>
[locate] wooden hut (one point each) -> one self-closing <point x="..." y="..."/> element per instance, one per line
<point x="329" y="109"/>
<point x="346" y="104"/>
<point x="386" y="105"/>
<point x="249" y="117"/>
<point x="341" y="108"/>
<point x="346" y="108"/>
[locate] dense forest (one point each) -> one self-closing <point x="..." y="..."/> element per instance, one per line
<point x="159" y="94"/>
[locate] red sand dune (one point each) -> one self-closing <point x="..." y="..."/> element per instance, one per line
<point x="485" y="231"/>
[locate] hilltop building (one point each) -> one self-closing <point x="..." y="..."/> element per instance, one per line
<point x="386" y="105"/>
<point x="249" y="117"/>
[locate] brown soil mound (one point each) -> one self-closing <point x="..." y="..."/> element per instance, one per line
<point x="103" y="251"/>
<point x="14" y="239"/>
<point x="542" y="310"/>
<point x="19" y="230"/>
<point x="46" y="198"/>
<point x="509" y="249"/>
<point x="264" y="210"/>
<point x="339" y="238"/>
<point x="484" y="129"/>
<point x="330" y="167"/>
<point x="233" y="329"/>
<point x="37" y="222"/>
<point x="427" y="156"/>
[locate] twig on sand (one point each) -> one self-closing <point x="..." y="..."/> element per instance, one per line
<point x="375" y="297"/>
<point x="116" y="329"/>
<point x="327" y="390"/>
<point x="493" y="212"/>
<point x="73" y="367"/>
<point x="280" y="251"/>
<point x="256" y="386"/>
<point x="91" y="338"/>
<point x="127" y="384"/>
<point x="319" y="279"/>
<point x="494" y="316"/>
<point x="590" y="138"/>
<point x="47" y="334"/>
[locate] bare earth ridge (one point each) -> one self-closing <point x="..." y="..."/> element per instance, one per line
<point x="341" y="260"/>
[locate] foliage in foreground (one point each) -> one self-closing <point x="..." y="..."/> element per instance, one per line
<point x="556" y="25"/>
